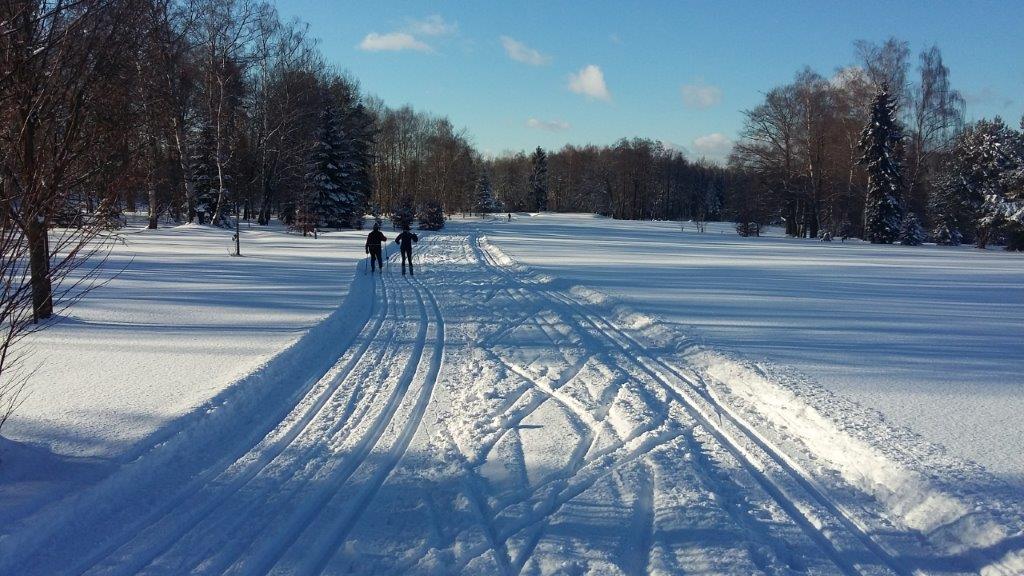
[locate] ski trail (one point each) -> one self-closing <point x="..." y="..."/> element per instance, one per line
<point x="343" y="512"/>
<point x="795" y="506"/>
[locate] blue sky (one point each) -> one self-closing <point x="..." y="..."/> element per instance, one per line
<point x="522" y="74"/>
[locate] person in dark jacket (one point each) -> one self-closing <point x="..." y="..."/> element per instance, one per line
<point x="374" y="240"/>
<point x="405" y="241"/>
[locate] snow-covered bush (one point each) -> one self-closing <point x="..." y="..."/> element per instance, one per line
<point x="748" y="229"/>
<point x="911" y="231"/>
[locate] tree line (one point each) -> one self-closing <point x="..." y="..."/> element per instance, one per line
<point x="638" y="179"/>
<point x="882" y="152"/>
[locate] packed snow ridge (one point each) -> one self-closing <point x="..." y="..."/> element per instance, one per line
<point x="489" y="417"/>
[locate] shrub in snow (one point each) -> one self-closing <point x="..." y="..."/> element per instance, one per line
<point x="431" y="217"/>
<point x="748" y="229"/>
<point x="825" y="236"/>
<point x="911" y="231"/>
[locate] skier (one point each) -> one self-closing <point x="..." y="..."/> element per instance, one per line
<point x="373" y="243"/>
<point x="405" y="241"/>
<point x="509" y="216"/>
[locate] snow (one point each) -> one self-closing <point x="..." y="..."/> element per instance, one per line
<point x="179" y="324"/>
<point x="548" y="395"/>
<point x="929" y="336"/>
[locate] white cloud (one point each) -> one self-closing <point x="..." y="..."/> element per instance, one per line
<point x="520" y="52"/>
<point x="548" y="125"/>
<point x="392" y="42"/>
<point x="715" y="146"/>
<point x="433" y="25"/>
<point x="700" y="95"/>
<point x="589" y="81"/>
<point x="615" y="39"/>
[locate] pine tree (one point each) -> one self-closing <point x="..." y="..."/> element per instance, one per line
<point x="356" y="161"/>
<point x="539" y="179"/>
<point x="486" y="203"/>
<point x="980" y="178"/>
<point x="911" y="231"/>
<point x="326" y="202"/>
<point x="431" y="216"/>
<point x="204" y="173"/>
<point x="881" y="146"/>
<point x="950" y="208"/>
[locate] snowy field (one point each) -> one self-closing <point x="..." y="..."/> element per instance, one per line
<point x="180" y="324"/>
<point x="554" y="395"/>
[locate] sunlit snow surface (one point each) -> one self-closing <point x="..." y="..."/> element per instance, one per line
<point x="558" y="394"/>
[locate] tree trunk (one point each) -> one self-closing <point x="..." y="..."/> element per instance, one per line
<point x="152" y="206"/>
<point x="186" y="170"/>
<point x="39" y="264"/>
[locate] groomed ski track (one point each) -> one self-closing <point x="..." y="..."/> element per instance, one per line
<point x="484" y="420"/>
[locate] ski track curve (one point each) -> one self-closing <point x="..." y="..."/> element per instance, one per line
<point x="485" y="421"/>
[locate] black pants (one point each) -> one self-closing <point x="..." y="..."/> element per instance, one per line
<point x="407" y="255"/>
<point x="375" y="259"/>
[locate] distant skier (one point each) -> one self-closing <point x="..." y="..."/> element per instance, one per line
<point x="509" y="216"/>
<point x="405" y="241"/>
<point x="373" y="245"/>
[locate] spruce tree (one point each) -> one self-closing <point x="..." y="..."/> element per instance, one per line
<point x="950" y="207"/>
<point x="539" y="179"/>
<point x="881" y="146"/>
<point x="326" y="202"/>
<point x="485" y="200"/>
<point x="980" y="175"/>
<point x="204" y="173"/>
<point x="911" y="231"/>
<point x="355" y="161"/>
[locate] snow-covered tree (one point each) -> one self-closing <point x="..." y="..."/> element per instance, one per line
<point x="539" y="179"/>
<point x="486" y="203"/>
<point x="328" y="202"/>
<point x="881" y="146"/>
<point x="431" y="216"/>
<point x="356" y="160"/>
<point x="951" y="207"/>
<point x="911" y="231"/>
<point x="976" y="195"/>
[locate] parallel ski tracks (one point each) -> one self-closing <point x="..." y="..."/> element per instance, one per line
<point x="752" y="453"/>
<point x="220" y="521"/>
